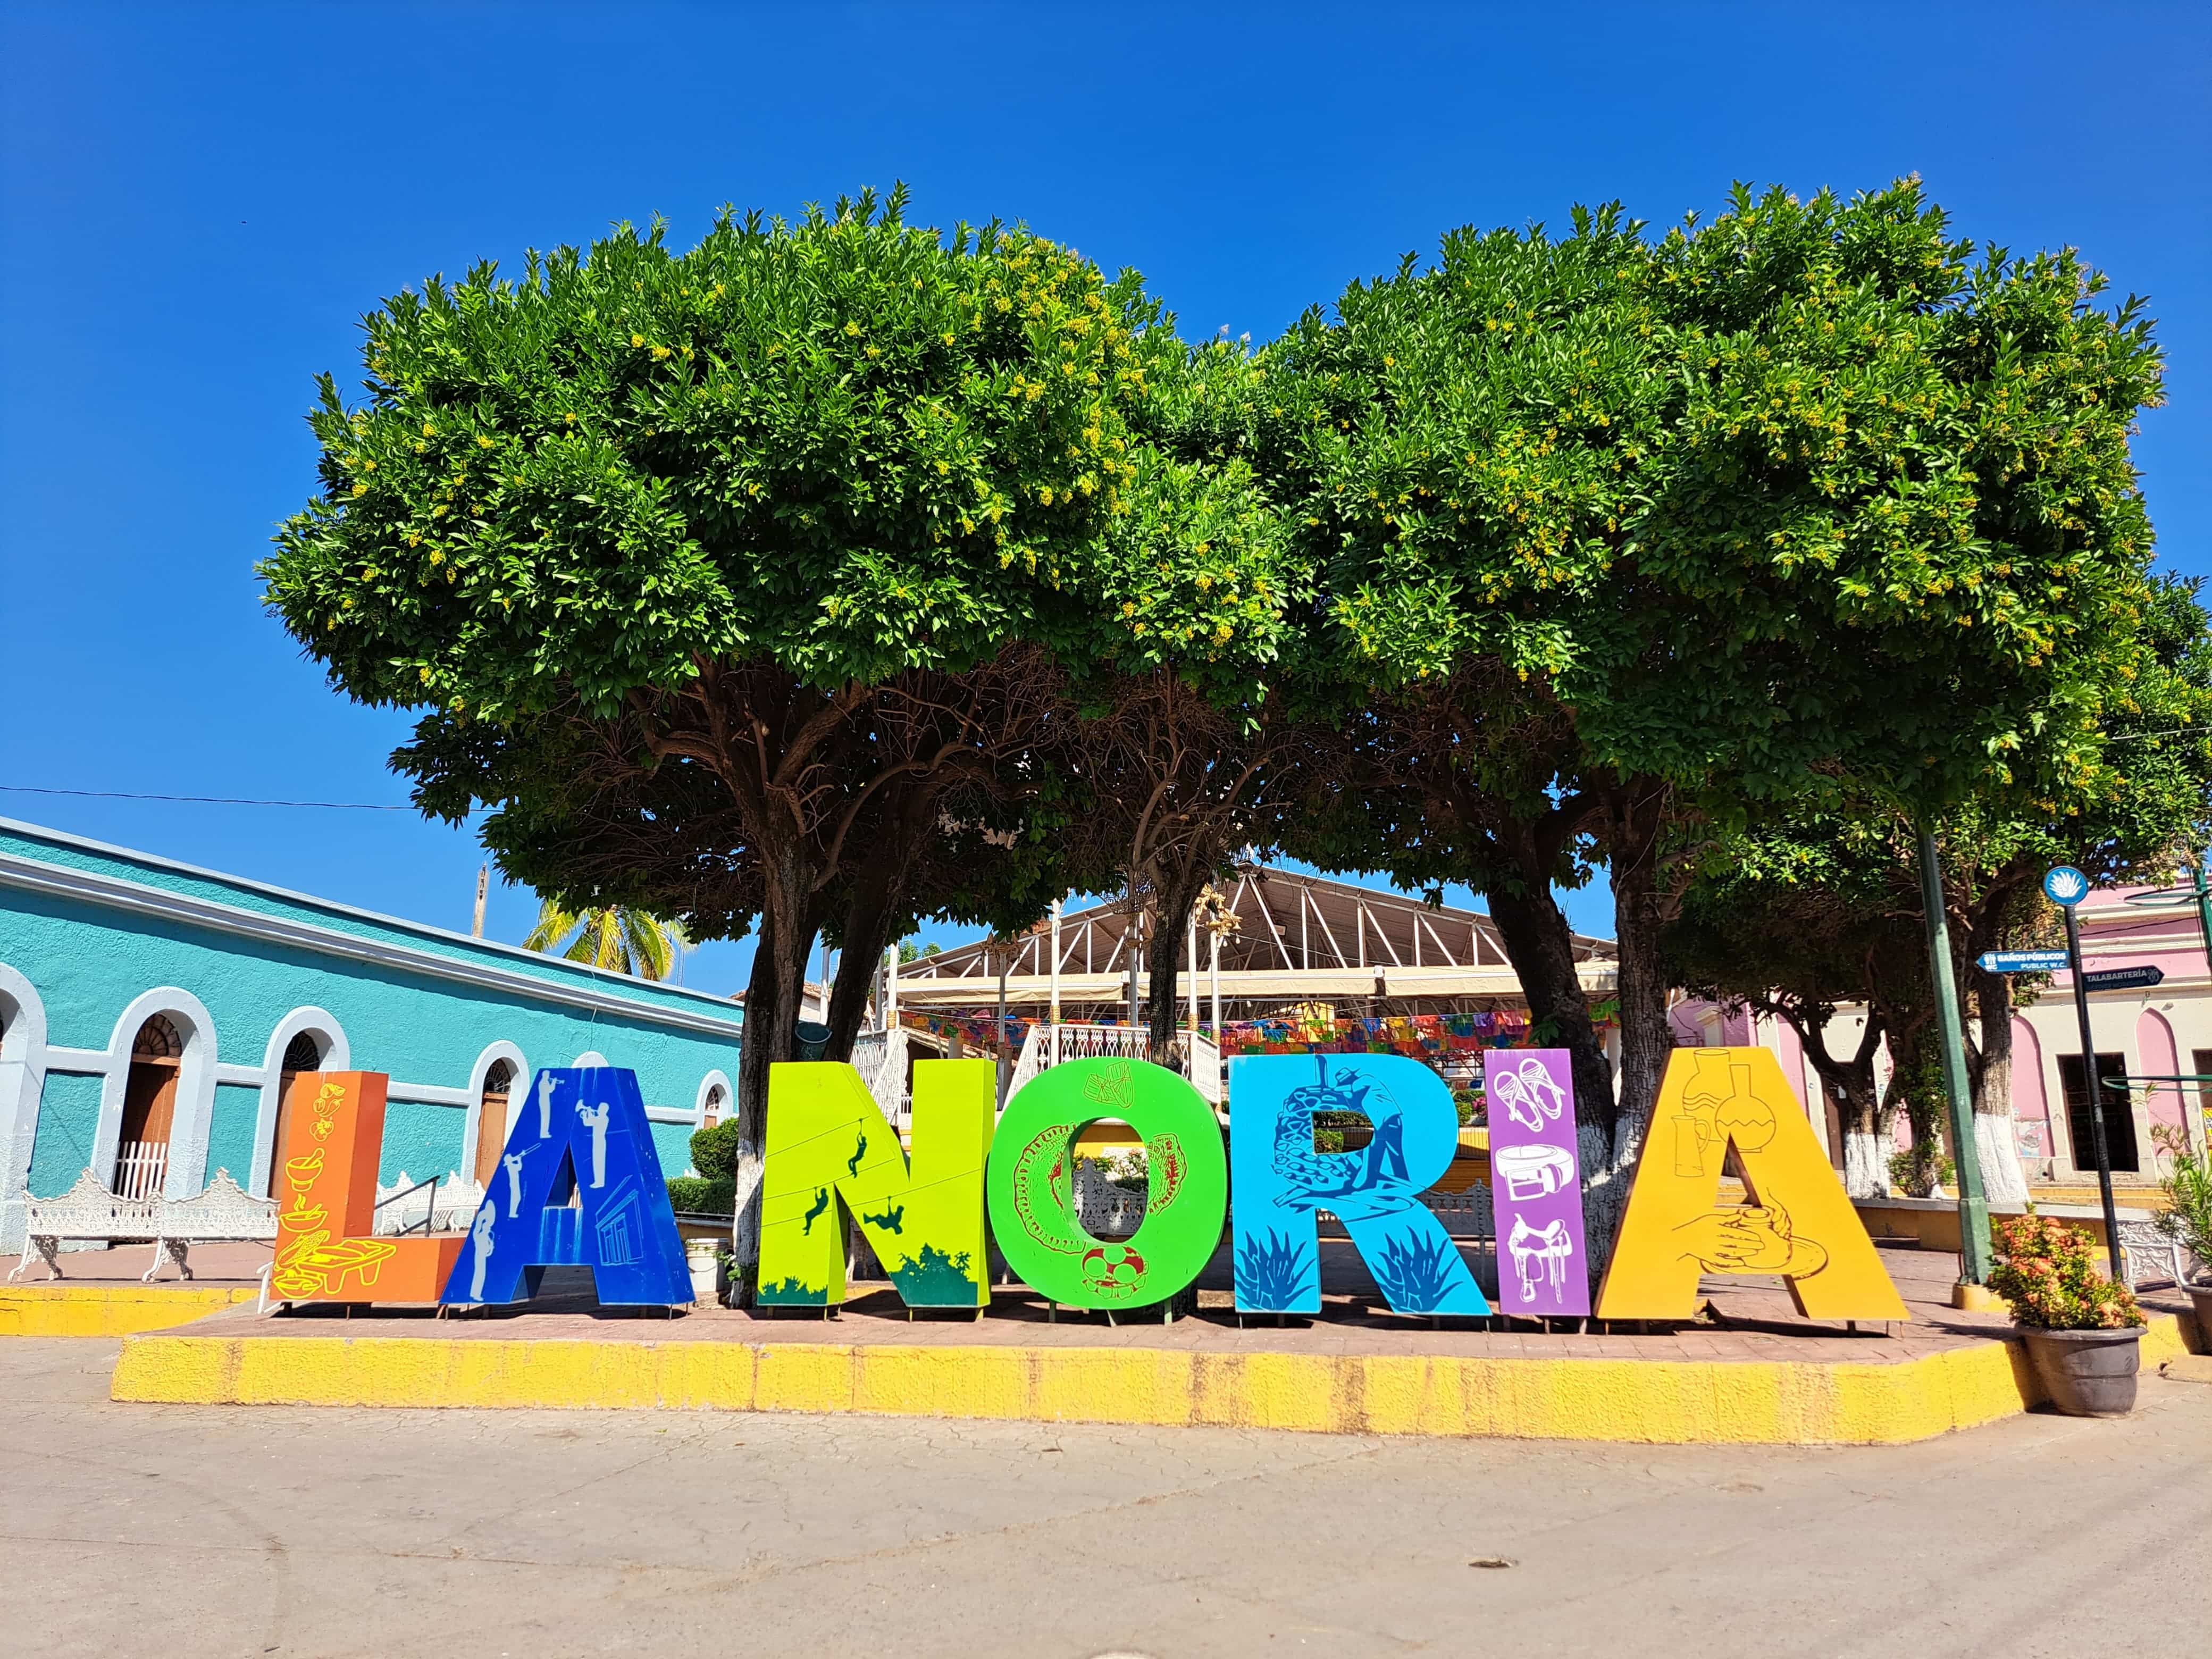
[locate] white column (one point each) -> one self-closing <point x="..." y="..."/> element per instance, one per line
<point x="1191" y="966"/>
<point x="1216" y="989"/>
<point x="890" y="988"/>
<point x="1054" y="1019"/>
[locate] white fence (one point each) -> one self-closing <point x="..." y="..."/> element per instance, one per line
<point x="1191" y="1053"/>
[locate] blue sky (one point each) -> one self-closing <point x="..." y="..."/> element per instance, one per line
<point x="199" y="202"/>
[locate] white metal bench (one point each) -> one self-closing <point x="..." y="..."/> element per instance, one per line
<point x="89" y="1212"/>
<point x="225" y="1213"/>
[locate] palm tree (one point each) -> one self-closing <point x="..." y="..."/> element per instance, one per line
<point x="610" y="936"/>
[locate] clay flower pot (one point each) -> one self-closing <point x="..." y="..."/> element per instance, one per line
<point x="2200" y="1298"/>
<point x="2087" y="1373"/>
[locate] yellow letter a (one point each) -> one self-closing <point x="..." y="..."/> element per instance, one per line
<point x="1798" y="1223"/>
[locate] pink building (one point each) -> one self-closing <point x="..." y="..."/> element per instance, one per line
<point x="2162" y="1032"/>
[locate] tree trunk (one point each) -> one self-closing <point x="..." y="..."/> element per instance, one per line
<point x="1996" y="1134"/>
<point x="1541" y="946"/>
<point x="1633" y="833"/>
<point x="860" y="965"/>
<point x="1866" y="1159"/>
<point x="1170" y="928"/>
<point x="772" y="1003"/>
<point x="1918" y="1086"/>
<point x="1850" y="1084"/>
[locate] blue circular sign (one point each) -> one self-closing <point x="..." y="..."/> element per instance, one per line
<point x="2064" y="884"/>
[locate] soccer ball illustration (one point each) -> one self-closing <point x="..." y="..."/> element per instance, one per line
<point x="1112" y="1269"/>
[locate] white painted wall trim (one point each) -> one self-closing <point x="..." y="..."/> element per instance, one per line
<point x="473" y="1104"/>
<point x="32" y="876"/>
<point x="713" y="1080"/>
<point x="22" y="1084"/>
<point x="196" y="1078"/>
<point x="336" y="1056"/>
<point x="77" y="1062"/>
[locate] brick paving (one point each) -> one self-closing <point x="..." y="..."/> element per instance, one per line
<point x="122" y="1264"/>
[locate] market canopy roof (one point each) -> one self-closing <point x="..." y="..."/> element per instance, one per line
<point x="1297" y="937"/>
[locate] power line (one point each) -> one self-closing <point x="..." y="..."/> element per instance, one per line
<point x="204" y="800"/>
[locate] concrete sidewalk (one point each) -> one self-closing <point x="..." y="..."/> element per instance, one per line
<point x="202" y="1530"/>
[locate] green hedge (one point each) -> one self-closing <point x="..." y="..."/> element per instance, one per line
<point x="700" y="1196"/>
<point x="714" y="1150"/>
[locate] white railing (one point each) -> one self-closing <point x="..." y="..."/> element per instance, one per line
<point x="139" y="1166"/>
<point x="407" y="1206"/>
<point x="1191" y="1053"/>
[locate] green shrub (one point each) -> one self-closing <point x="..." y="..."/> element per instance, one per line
<point x="714" y="1150"/>
<point x="699" y="1196"/>
<point x="1908" y="1167"/>
<point x="2188" y="1188"/>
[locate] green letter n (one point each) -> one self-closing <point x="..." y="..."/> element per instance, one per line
<point x="830" y="1149"/>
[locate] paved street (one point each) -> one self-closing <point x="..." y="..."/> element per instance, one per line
<point x="203" y="1531"/>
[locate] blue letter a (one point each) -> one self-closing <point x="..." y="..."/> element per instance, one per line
<point x="580" y="1186"/>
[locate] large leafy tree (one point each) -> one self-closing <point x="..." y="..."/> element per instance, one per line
<point x="1804" y="914"/>
<point x="730" y="527"/>
<point x="1814" y="496"/>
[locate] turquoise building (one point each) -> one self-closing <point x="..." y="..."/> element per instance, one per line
<point x="153" y="1015"/>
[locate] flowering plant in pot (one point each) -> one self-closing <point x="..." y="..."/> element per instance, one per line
<point x="2187" y="1219"/>
<point x="2084" y="1332"/>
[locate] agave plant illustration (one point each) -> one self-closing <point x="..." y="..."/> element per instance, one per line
<point x="1416" y="1280"/>
<point x="1271" y="1273"/>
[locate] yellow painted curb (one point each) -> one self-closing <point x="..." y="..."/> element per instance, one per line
<point x="1649" y="1401"/>
<point x="110" y="1309"/>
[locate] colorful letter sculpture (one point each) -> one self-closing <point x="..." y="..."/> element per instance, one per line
<point x="324" y="1184"/>
<point x="1032" y="1175"/>
<point x="829" y="1148"/>
<point x="1376" y="1191"/>
<point x="1798" y="1223"/>
<point x="1535" y="1182"/>
<point x="580" y="1186"/>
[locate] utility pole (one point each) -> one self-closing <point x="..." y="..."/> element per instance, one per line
<point x="1973" y="1207"/>
<point x="2093" y="1086"/>
<point x="483" y="887"/>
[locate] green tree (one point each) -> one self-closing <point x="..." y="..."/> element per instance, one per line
<point x="1803" y="914"/>
<point x="1814" y="498"/>
<point x="711" y="523"/>
<point x="613" y="937"/>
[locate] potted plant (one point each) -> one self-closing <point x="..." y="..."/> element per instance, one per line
<point x="2084" y="1332"/>
<point x="2187" y="1221"/>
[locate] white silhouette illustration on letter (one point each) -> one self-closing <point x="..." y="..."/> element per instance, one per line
<point x="595" y="1116"/>
<point x="481" y="1235"/>
<point x="1552" y="1246"/>
<point x="1542" y="1092"/>
<point x="544" y="1105"/>
<point x="514" y="1162"/>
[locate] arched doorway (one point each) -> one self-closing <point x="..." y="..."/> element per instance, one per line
<point x="150" y="1106"/>
<point x="302" y="1054"/>
<point x="491" y="1120"/>
<point x="717" y="1102"/>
